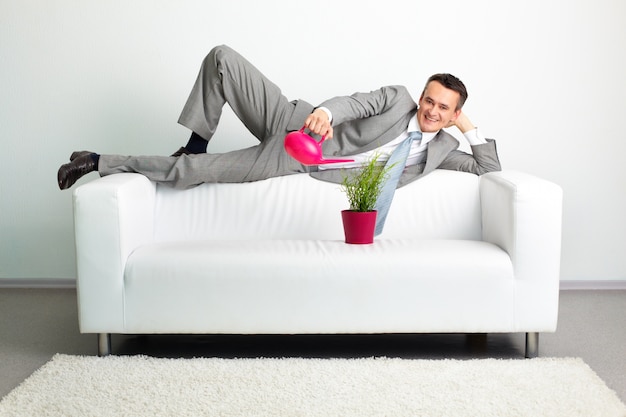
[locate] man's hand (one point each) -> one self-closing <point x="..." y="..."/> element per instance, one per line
<point x="318" y="123"/>
<point x="462" y="122"/>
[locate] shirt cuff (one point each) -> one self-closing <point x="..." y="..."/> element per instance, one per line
<point x="474" y="138"/>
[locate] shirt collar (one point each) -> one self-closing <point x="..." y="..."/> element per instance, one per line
<point x="415" y="127"/>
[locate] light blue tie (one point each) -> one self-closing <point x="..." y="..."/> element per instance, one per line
<point x="398" y="157"/>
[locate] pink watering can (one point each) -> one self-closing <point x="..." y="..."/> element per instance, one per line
<point x="306" y="150"/>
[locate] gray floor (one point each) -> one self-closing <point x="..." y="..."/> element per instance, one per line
<point x="37" y="323"/>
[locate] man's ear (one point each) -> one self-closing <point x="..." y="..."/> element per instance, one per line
<point x="456" y="115"/>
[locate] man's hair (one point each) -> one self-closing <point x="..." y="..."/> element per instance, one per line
<point x="453" y="83"/>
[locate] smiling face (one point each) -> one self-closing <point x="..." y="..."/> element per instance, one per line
<point x="437" y="107"/>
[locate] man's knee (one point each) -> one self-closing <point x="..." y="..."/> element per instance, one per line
<point x="218" y="54"/>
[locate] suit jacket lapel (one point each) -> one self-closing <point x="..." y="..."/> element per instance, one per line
<point x="438" y="149"/>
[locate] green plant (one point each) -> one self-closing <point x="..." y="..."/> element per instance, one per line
<point x="363" y="185"/>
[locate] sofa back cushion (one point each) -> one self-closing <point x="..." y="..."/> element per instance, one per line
<point x="442" y="205"/>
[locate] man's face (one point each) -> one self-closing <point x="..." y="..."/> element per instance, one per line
<point x="437" y="107"/>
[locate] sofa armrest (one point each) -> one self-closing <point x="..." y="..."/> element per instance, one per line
<point x="113" y="215"/>
<point x="521" y="214"/>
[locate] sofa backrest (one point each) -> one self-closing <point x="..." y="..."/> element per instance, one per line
<point x="442" y="205"/>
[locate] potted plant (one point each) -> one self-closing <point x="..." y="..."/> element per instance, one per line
<point x="362" y="187"/>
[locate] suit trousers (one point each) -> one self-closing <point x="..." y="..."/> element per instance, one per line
<point x="226" y="77"/>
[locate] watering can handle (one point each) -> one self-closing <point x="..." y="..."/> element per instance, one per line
<point x="321" y="140"/>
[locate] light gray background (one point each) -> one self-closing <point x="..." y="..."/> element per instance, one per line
<point x="545" y="77"/>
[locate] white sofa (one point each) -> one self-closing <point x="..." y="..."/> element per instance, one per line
<point x="459" y="254"/>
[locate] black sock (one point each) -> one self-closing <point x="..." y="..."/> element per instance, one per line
<point x="196" y="144"/>
<point x="96" y="159"/>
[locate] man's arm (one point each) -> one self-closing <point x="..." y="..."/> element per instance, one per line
<point x="484" y="157"/>
<point x="358" y="106"/>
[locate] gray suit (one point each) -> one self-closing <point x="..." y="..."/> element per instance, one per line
<point x="361" y="122"/>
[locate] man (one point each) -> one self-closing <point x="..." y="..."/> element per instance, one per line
<point x="359" y="125"/>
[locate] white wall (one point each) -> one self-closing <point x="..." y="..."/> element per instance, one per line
<point x="546" y="79"/>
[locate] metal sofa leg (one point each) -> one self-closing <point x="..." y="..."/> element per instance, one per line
<point x="104" y="344"/>
<point x="532" y="345"/>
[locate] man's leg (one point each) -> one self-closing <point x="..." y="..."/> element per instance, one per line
<point x="256" y="163"/>
<point x="226" y="77"/>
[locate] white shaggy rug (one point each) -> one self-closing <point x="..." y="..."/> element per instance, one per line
<point x="143" y="386"/>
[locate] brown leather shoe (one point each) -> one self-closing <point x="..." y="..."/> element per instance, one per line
<point x="181" y="151"/>
<point x="70" y="173"/>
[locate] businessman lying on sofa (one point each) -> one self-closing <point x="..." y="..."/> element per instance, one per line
<point x="360" y="125"/>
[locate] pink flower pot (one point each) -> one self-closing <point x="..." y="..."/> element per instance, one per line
<point x="358" y="226"/>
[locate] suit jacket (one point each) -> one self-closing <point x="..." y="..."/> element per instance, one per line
<point x="366" y="121"/>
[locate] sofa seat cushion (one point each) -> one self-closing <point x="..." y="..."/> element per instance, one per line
<point x="309" y="286"/>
